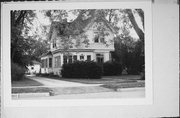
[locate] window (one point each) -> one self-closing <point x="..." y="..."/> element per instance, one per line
<point x="54" y="43"/>
<point x="70" y="59"/>
<point x="50" y="62"/>
<point x="100" y="58"/>
<point x="65" y="60"/>
<point x="46" y="61"/>
<point x="102" y="39"/>
<point x="96" y="39"/>
<point x="57" y="62"/>
<point x="88" y="57"/>
<point x="82" y="57"/>
<point x="42" y="61"/>
<point x="74" y="57"/>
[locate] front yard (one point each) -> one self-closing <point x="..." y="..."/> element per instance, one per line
<point x="26" y="82"/>
<point x="79" y="86"/>
<point x="107" y="79"/>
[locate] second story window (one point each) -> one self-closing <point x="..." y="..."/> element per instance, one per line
<point x="54" y="43"/>
<point x="102" y="39"/>
<point x="96" y="39"/>
<point x="99" y="39"/>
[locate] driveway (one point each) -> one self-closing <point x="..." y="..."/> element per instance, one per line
<point x="50" y="83"/>
<point x="60" y="83"/>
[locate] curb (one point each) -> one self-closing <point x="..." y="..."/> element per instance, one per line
<point x="26" y="95"/>
<point x="129" y="89"/>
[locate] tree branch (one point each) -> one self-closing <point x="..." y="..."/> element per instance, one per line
<point x="20" y="17"/>
<point x="141" y="14"/>
<point x="139" y="32"/>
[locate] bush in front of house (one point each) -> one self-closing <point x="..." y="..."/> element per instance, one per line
<point x="17" y="72"/>
<point x="136" y="70"/>
<point x="82" y="69"/>
<point x="112" y="68"/>
<point x="49" y="75"/>
<point x="143" y="73"/>
<point x="133" y="71"/>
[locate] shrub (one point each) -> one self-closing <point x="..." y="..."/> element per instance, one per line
<point x="112" y="68"/>
<point x="51" y="74"/>
<point x="143" y="73"/>
<point x="17" y="72"/>
<point x="82" y="69"/>
<point x="142" y="76"/>
<point x="133" y="71"/>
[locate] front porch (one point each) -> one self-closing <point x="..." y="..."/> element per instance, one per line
<point x="53" y="62"/>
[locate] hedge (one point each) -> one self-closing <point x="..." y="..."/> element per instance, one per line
<point x="82" y="69"/>
<point x="112" y="68"/>
<point x="47" y="75"/>
<point x="17" y="72"/>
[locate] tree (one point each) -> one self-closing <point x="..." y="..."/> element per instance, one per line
<point x="128" y="51"/>
<point x="138" y="54"/>
<point x="20" y="46"/>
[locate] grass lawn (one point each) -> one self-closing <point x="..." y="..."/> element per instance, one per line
<point x="25" y="82"/>
<point x="106" y="79"/>
<point x="80" y="90"/>
<point x="31" y="90"/>
<point x="124" y="85"/>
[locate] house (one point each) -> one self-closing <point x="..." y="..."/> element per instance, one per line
<point x="89" y="37"/>
<point x="34" y="67"/>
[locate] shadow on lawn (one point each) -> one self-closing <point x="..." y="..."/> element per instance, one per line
<point x="25" y="82"/>
<point x="105" y="79"/>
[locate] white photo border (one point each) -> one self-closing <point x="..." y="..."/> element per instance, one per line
<point x="5" y="55"/>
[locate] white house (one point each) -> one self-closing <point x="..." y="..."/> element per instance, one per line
<point x="34" y="67"/>
<point x="88" y="37"/>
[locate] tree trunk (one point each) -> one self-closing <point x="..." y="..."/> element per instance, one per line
<point x="139" y="32"/>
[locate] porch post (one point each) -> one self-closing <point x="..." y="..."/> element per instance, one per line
<point x="61" y="59"/>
